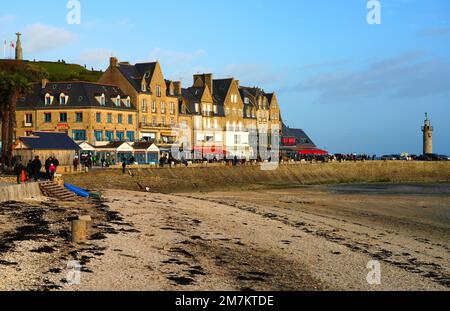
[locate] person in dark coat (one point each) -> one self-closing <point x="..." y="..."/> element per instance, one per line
<point x="18" y="169"/>
<point x="124" y="166"/>
<point x="29" y="169"/>
<point x="36" y="168"/>
<point x="48" y="162"/>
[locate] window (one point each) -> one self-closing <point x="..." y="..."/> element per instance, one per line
<point x="47" y="117"/>
<point x="119" y="119"/>
<point x="98" y="135"/>
<point x="158" y="91"/>
<point x="144" y="105"/>
<point x="163" y="107"/>
<point x="120" y="136"/>
<point x="130" y="136"/>
<point x="98" y="117"/>
<point x="78" y="117"/>
<point x="48" y="100"/>
<point x="79" y="134"/>
<point x="154" y="121"/>
<point x="109" y="135"/>
<point x="184" y="124"/>
<point x="246" y="100"/>
<point x="172" y="122"/>
<point x="172" y="108"/>
<point x="143" y="87"/>
<point x="154" y="109"/>
<point x="163" y="121"/>
<point x="215" y="109"/>
<point x="128" y="102"/>
<point x="62" y="99"/>
<point x="28" y="119"/>
<point x="237" y="139"/>
<point x="130" y="119"/>
<point x="118" y="101"/>
<point x="63" y="117"/>
<point x="109" y="118"/>
<point x="197" y="108"/>
<point x="103" y="100"/>
<point x="215" y="123"/>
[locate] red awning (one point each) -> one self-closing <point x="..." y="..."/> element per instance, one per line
<point x="211" y="150"/>
<point x="312" y="152"/>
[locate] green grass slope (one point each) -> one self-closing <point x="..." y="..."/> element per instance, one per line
<point x="68" y="72"/>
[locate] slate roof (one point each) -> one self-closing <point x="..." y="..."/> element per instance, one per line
<point x="50" y="141"/>
<point x="193" y="95"/>
<point x="81" y="95"/>
<point x="301" y="138"/>
<point x="135" y="73"/>
<point x="220" y="90"/>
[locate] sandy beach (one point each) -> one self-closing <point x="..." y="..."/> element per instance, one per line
<point x="305" y="238"/>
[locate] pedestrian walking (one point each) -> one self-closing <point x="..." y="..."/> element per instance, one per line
<point x="76" y="163"/>
<point x="124" y="166"/>
<point x="52" y="171"/>
<point x="36" y="167"/>
<point x="19" y="170"/>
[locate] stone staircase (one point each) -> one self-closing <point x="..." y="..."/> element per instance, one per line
<point x="53" y="190"/>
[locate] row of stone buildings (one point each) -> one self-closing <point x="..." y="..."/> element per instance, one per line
<point x="210" y="118"/>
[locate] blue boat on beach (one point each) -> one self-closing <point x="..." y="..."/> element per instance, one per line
<point x="78" y="191"/>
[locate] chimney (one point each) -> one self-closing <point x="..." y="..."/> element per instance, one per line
<point x="113" y="62"/>
<point x="177" y="87"/>
<point x="203" y="80"/>
<point x="209" y="81"/>
<point x="44" y="83"/>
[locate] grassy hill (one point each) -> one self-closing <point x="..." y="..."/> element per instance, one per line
<point x="68" y="72"/>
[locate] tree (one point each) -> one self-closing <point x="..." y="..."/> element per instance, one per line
<point x="16" y="78"/>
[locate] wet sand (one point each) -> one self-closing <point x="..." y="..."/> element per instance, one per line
<point x="305" y="238"/>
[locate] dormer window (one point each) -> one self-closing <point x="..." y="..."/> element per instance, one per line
<point x="246" y="100"/>
<point x="62" y="99"/>
<point x="171" y="90"/>
<point x="48" y="100"/>
<point x="103" y="100"/>
<point x="118" y="101"/>
<point x="128" y="102"/>
<point x="143" y="87"/>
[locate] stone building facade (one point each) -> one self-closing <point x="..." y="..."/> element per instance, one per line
<point x="211" y="118"/>
<point x="85" y="111"/>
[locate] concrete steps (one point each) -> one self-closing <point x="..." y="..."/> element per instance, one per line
<point x="53" y="190"/>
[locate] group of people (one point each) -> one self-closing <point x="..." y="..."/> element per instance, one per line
<point x="34" y="167"/>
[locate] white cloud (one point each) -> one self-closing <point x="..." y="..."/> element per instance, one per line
<point x="5" y="19"/>
<point x="97" y="57"/>
<point x="170" y="57"/>
<point x="40" y="37"/>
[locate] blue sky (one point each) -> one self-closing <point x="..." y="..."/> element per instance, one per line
<point x="352" y="86"/>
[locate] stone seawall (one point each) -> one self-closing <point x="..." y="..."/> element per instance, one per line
<point x="253" y="177"/>
<point x="20" y="192"/>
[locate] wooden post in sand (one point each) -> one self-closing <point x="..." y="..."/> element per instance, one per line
<point x="80" y="229"/>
